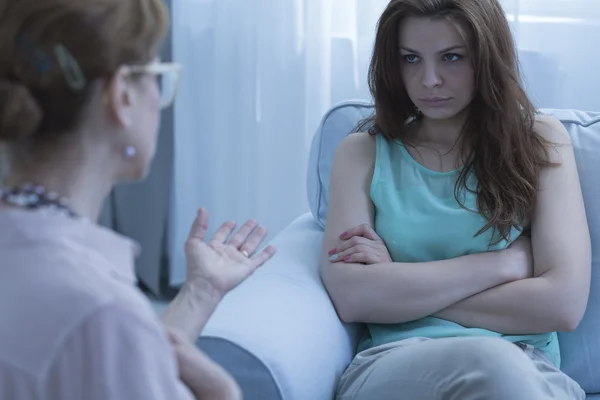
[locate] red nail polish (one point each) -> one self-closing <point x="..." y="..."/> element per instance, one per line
<point x="346" y="259"/>
<point x="332" y="252"/>
<point x="343" y="235"/>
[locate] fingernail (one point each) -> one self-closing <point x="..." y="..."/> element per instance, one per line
<point x="332" y="252"/>
<point x="334" y="257"/>
<point x="343" y="235"/>
<point x="346" y="259"/>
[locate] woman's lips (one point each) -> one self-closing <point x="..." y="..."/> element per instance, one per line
<point x="435" y="101"/>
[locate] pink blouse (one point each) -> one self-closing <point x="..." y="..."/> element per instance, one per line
<point x="73" y="324"/>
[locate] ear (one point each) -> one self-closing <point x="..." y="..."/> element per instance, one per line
<point x="119" y="98"/>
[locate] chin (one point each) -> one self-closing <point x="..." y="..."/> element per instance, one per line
<point x="440" y="114"/>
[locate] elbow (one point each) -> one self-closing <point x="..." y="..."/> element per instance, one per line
<point x="568" y="320"/>
<point x="566" y="324"/>
<point x="344" y="308"/>
<point x="568" y="316"/>
<point x="341" y="298"/>
<point x="344" y="312"/>
<point x="567" y="302"/>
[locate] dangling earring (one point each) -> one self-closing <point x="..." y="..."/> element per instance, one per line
<point x="130" y="151"/>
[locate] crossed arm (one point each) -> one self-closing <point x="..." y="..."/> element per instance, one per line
<point x="493" y="290"/>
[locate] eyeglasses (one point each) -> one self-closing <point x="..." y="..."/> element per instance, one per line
<point x="168" y="79"/>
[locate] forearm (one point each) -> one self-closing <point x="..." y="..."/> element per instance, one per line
<point x="190" y="309"/>
<point x="400" y="292"/>
<point x="528" y="306"/>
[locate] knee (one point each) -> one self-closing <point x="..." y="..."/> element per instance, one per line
<point x="488" y="364"/>
<point x="487" y="354"/>
<point x="481" y="349"/>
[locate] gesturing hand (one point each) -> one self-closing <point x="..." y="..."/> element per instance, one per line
<point x="360" y="245"/>
<point x="221" y="263"/>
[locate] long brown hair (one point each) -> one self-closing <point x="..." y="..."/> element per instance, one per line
<point x="500" y="147"/>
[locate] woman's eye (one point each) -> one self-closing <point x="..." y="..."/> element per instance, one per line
<point x="411" y="58"/>
<point x="452" y="57"/>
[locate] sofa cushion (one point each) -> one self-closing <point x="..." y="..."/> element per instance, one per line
<point x="278" y="334"/>
<point x="335" y="126"/>
<point x="580" y="349"/>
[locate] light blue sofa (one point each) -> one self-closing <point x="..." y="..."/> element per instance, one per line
<point x="278" y="333"/>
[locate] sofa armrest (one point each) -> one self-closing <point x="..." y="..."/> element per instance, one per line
<point x="278" y="332"/>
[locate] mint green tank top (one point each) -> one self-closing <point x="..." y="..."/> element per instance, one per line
<point x="420" y="220"/>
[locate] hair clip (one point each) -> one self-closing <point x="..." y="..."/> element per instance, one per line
<point x="41" y="62"/>
<point x="70" y="68"/>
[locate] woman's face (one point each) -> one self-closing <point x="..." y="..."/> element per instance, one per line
<point x="436" y="67"/>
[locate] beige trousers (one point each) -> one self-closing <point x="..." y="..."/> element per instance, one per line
<point x="455" y="369"/>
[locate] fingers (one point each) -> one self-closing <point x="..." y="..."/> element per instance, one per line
<point x="342" y="256"/>
<point x="351" y="242"/>
<point x="223" y="232"/>
<point x="363" y="230"/>
<point x="246" y="240"/>
<point x="200" y="225"/>
<point x="362" y="258"/>
<point x="264" y="256"/>
<point x="358" y="255"/>
<point x="362" y="240"/>
<point x="254" y="241"/>
<point x="242" y="234"/>
<point x="249" y="237"/>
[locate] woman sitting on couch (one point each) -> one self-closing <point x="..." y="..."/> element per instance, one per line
<point x="79" y="111"/>
<point x="456" y="227"/>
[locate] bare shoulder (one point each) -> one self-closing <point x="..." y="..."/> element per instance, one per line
<point x="555" y="133"/>
<point x="358" y="142"/>
<point x="357" y="147"/>
<point x="551" y="129"/>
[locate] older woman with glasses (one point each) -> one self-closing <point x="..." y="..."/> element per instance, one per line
<point x="80" y="97"/>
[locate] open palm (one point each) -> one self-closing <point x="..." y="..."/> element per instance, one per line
<point x="221" y="263"/>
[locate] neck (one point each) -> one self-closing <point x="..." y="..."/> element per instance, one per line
<point x="84" y="185"/>
<point x="445" y="133"/>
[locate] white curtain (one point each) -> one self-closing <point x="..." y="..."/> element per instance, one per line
<point x="259" y="74"/>
<point x="558" y="42"/>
